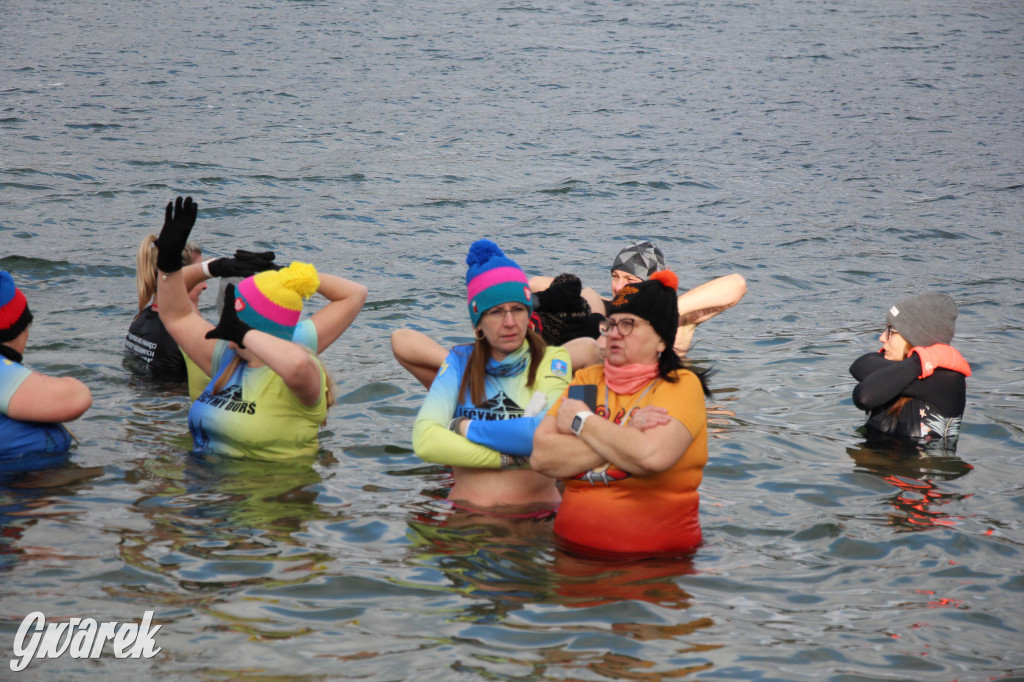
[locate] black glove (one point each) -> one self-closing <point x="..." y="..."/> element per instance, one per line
<point x="557" y="328"/>
<point x="581" y="326"/>
<point x="179" y="218"/>
<point x="244" y="264"/>
<point x="230" y="328"/>
<point x="563" y="296"/>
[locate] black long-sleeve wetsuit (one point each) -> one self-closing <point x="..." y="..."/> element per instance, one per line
<point x="936" y="406"/>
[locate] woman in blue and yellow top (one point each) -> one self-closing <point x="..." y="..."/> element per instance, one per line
<point x="269" y="395"/>
<point x="488" y="398"/>
<point x="32" y="405"/>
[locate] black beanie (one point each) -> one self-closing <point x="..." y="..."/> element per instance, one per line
<point x="653" y="300"/>
<point x="925" y="319"/>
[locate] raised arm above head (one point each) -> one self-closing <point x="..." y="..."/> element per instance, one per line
<point x="346" y="299"/>
<point x="703" y="302"/>
<point x="298" y="369"/>
<point x="177" y="314"/>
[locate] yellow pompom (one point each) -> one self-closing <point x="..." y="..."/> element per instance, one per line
<point x="300" y="278"/>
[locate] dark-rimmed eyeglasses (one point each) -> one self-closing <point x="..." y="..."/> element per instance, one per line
<point x="889" y="331"/>
<point x="519" y="313"/>
<point x="625" y="326"/>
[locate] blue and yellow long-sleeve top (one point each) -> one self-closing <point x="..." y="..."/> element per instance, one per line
<point x="498" y="426"/>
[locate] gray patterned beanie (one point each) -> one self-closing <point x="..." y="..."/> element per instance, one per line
<point x="925" y="319"/>
<point x="642" y="260"/>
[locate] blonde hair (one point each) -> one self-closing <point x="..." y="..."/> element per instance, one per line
<point x="145" y="267"/>
<point x="332" y="385"/>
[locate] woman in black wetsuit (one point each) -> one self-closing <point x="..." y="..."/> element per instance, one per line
<point x="149" y="350"/>
<point x="916" y="386"/>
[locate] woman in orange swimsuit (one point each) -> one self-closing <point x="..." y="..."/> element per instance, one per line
<point x="631" y="462"/>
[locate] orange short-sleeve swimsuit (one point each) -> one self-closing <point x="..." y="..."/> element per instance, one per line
<point x="610" y="510"/>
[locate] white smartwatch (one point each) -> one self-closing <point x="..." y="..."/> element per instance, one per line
<point x="579" y="420"/>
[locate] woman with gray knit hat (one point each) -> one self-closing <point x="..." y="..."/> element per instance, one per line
<point x="916" y="385"/>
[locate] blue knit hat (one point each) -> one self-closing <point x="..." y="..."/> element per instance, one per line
<point x="492" y="279"/>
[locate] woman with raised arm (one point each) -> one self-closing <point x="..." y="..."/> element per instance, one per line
<point x="633" y="460"/>
<point x="487" y="399"/>
<point x="637" y="263"/>
<point x="564" y="301"/>
<point x="33" y="406"/>
<point x="149" y="350"/>
<point x="269" y="395"/>
<point x="915" y="387"/>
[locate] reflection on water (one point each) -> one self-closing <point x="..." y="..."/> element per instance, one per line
<point x="30" y="497"/>
<point x="217" y="528"/>
<point x="214" y="521"/>
<point x="916" y="473"/>
<point x="808" y="148"/>
<point x="515" y="575"/>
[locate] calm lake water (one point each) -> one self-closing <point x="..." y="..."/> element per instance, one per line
<point x="839" y="155"/>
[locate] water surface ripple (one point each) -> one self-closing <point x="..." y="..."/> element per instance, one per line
<point x="837" y="155"/>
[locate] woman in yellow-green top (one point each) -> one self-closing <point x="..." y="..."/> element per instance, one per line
<point x="269" y="395"/>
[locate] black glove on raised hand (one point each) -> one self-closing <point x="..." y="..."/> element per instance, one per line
<point x="243" y="264"/>
<point x="230" y="328"/>
<point x="563" y="296"/>
<point x="179" y="218"/>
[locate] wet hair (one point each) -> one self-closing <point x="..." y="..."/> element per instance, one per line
<point x="145" y="267"/>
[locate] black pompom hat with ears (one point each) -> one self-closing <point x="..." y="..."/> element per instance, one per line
<point x="653" y="300"/>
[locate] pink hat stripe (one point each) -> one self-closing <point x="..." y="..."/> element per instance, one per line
<point x="265" y="307"/>
<point x="494" y="277"/>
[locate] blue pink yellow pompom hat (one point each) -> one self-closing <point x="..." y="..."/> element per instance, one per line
<point x="271" y="301"/>
<point x="14" y="313"/>
<point x="492" y="279"/>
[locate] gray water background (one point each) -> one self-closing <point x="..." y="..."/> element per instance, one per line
<point x="838" y="155"/>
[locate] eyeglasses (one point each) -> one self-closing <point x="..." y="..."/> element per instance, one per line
<point x="625" y="326"/>
<point x="497" y="313"/>
<point x="889" y="331"/>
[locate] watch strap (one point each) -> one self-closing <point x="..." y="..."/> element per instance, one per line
<point x="579" y="420"/>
